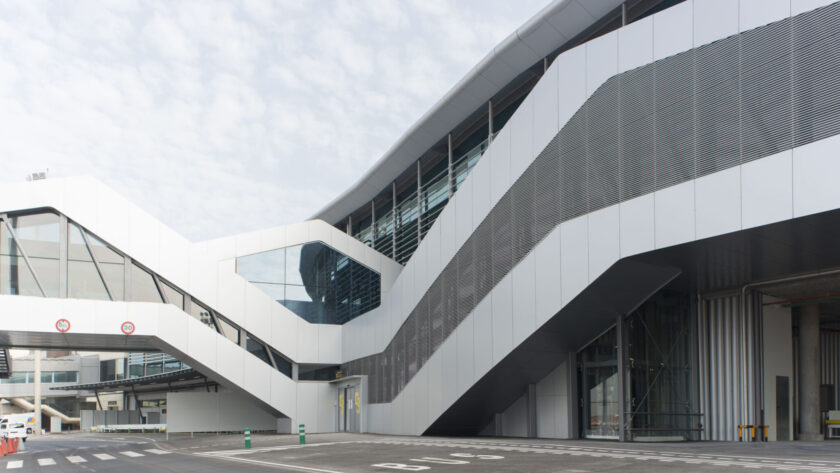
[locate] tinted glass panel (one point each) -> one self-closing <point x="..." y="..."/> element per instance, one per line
<point x="15" y="277"/>
<point x="314" y="281"/>
<point x="201" y="313"/>
<point x="229" y="331"/>
<point x="83" y="281"/>
<point x="38" y="234"/>
<point x="143" y="288"/>
<point x="172" y="296"/>
<point x="257" y="349"/>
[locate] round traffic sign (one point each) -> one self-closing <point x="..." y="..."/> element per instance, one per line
<point x="62" y="325"/>
<point x="127" y="327"/>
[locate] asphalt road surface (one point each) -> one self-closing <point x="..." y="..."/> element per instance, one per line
<point x="353" y="453"/>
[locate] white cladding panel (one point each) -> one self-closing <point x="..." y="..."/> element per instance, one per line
<point x="718" y="203"/>
<point x="637" y="225"/>
<point x="767" y="190"/>
<point x="815" y="168"/>
<point x="672" y="30"/>
<point x="755" y="13"/>
<point x="714" y="19"/>
<point x="603" y="240"/>
<point x="524" y="299"/>
<point x="635" y="44"/>
<point x="675" y="215"/>
<point x="502" y="302"/>
<point x="601" y="60"/>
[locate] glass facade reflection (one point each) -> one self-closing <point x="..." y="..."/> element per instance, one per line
<point x="314" y="281"/>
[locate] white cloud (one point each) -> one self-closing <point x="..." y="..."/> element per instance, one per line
<point x="227" y="116"/>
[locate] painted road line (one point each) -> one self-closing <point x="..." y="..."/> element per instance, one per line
<point x="76" y="459"/>
<point x="157" y="452"/>
<point x="14" y="464"/>
<point x="132" y="454"/>
<point x="104" y="456"/>
<point x="46" y="462"/>
<point x="280" y="465"/>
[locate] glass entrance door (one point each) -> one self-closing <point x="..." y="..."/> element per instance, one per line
<point x="598" y="381"/>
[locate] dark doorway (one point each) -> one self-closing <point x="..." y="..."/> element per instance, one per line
<point x="782" y="408"/>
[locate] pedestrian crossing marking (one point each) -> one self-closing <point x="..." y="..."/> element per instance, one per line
<point x="103" y="456"/>
<point x="132" y="454"/>
<point x="14" y="464"/>
<point x="46" y="462"/>
<point x="157" y="452"/>
<point x="76" y="459"/>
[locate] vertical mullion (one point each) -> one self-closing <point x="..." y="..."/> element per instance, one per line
<point x="25" y="257"/>
<point x="95" y="262"/>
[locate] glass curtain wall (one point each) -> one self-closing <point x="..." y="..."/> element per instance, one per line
<point x="657" y="395"/>
<point x="314" y="281"/>
<point x="31" y="247"/>
<point x="39" y="236"/>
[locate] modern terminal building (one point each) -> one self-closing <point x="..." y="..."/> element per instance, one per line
<point x="621" y="224"/>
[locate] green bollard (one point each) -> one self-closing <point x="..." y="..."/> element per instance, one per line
<point x="247" y="438"/>
<point x="302" y="431"/>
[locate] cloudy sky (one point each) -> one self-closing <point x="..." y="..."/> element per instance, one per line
<point x="227" y="116"/>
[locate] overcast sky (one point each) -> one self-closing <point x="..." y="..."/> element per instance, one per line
<point x="220" y="117"/>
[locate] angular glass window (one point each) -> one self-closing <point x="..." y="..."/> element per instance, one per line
<point x="143" y="287"/>
<point x="83" y="280"/>
<point x="201" y="313"/>
<point x="229" y="331"/>
<point x="314" y="281"/>
<point x="267" y="267"/>
<point x="15" y="277"/>
<point x="283" y="365"/>
<point x="112" y="265"/>
<point x="172" y="295"/>
<point x="38" y="235"/>
<point x="256" y="348"/>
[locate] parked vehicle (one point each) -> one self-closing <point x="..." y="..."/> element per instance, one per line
<point x="13" y="430"/>
<point x="26" y="418"/>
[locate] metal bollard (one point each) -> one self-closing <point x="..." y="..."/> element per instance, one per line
<point x="302" y="432"/>
<point x="247" y="438"/>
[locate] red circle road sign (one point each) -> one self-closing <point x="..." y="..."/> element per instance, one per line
<point x="62" y="325"/>
<point x="127" y="327"/>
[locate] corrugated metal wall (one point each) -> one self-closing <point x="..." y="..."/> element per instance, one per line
<point x="727" y="364"/>
<point x="830" y="362"/>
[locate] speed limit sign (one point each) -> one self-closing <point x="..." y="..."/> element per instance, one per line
<point x="127" y="327"/>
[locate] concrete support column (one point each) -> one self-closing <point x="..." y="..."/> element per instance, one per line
<point x="809" y="373"/>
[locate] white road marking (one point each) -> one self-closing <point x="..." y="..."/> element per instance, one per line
<point x="132" y="454"/>
<point x="158" y="452"/>
<point x="46" y="462"/>
<point x="14" y="464"/>
<point x="76" y="459"/>
<point x="282" y="465"/>
<point x="104" y="456"/>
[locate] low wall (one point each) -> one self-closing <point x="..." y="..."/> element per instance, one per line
<point x="216" y="412"/>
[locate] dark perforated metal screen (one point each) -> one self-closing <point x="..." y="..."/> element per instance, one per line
<point x="711" y="108"/>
